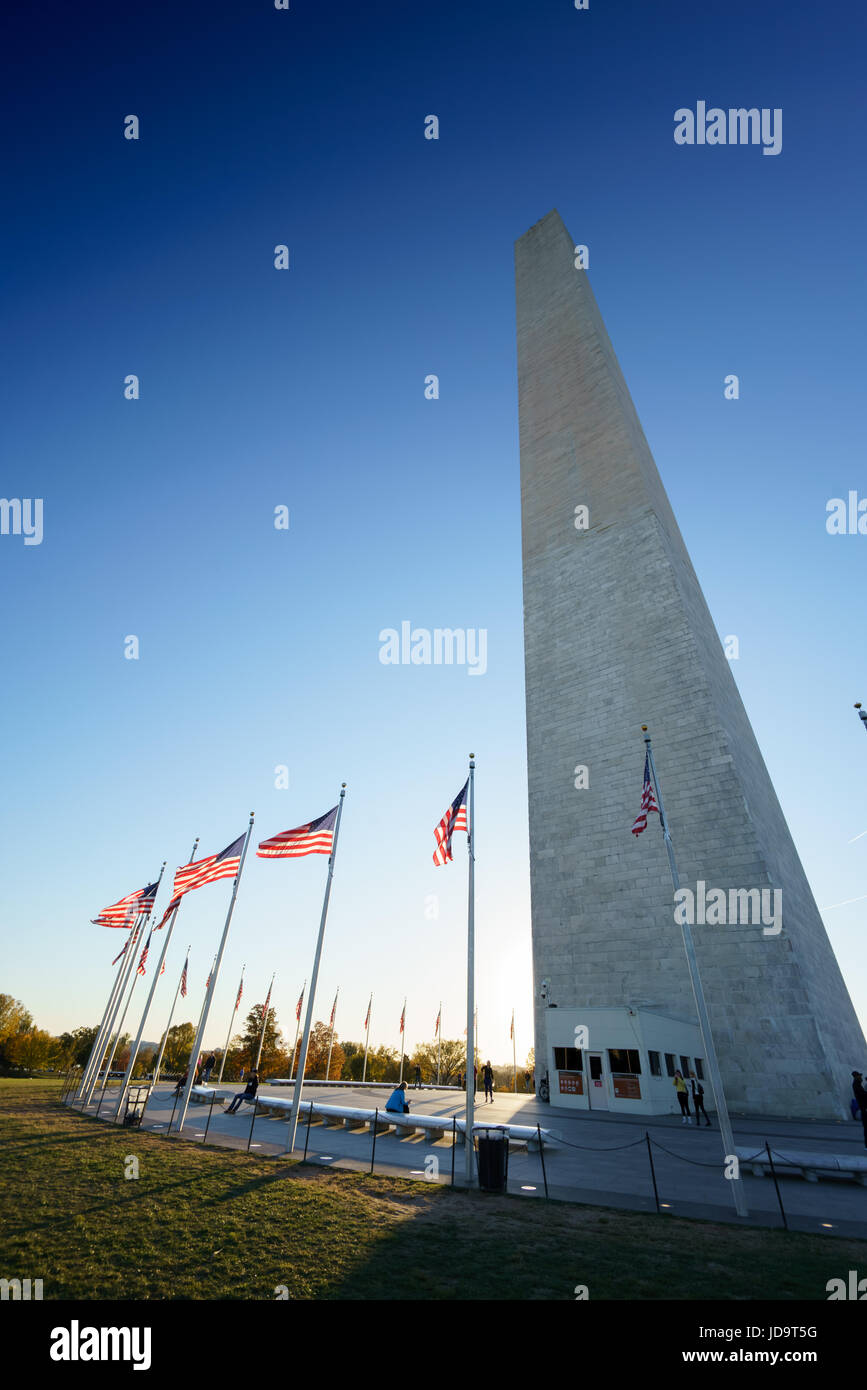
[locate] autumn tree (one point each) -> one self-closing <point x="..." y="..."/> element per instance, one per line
<point x="453" y="1059"/>
<point x="179" y="1045"/>
<point x="317" y="1054"/>
<point x="30" y="1050"/>
<point x="272" y="1061"/>
<point x="74" y="1048"/>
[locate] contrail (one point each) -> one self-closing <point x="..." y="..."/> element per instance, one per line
<point x="844" y="904"/>
<point x="856" y="837"/>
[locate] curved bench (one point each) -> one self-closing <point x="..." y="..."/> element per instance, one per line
<point x="806" y="1163"/>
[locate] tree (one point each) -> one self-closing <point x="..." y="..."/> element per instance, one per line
<point x="272" y="1047"/>
<point x="14" y="1018"/>
<point x="453" y="1060"/>
<point x="73" y="1049"/>
<point x="317" y="1054"/>
<point x="31" y="1050"/>
<point x="179" y="1045"/>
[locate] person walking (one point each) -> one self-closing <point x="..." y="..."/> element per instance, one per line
<point x="210" y="1063"/>
<point x="698" y="1099"/>
<point x="418" y="1078"/>
<point x="248" y="1093"/>
<point x="526" y="1081"/>
<point x="683" y="1097"/>
<point x="860" y="1095"/>
<point x="488" y="1079"/>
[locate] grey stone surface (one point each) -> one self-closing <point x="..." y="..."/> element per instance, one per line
<point x="618" y="634"/>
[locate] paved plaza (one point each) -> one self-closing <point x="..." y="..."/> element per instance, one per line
<point x="599" y="1158"/>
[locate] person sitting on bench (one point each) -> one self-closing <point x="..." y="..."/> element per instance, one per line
<point x="397" y="1102"/>
<point x="249" y="1093"/>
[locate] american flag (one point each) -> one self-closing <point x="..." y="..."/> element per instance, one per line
<point x="167" y="914"/>
<point x="208" y="870"/>
<point x="240" y="992"/>
<point x="333" y="1010"/>
<point x="403" y="1017"/>
<point x="298" y="1007"/>
<point x="316" y="837"/>
<point x="437" y="1025"/>
<point x="124" y="912"/>
<point x="512" y="1029"/>
<point x="144" y="954"/>
<point x="267" y="1003"/>
<point x="367" y="1016"/>
<point x="121" y="952"/>
<point x="454" y="819"/>
<point x="648" y="800"/>
<point x="184" y="979"/>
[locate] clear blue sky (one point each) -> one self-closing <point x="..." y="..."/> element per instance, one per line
<point x="306" y="388"/>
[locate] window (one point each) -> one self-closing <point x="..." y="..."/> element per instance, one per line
<point x="699" y="1068"/>
<point x="568" y="1059"/>
<point x="625" y="1059"/>
<point x="670" y="1063"/>
<point x="684" y="1065"/>
<point x="655" y="1064"/>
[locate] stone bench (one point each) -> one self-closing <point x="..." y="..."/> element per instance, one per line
<point x="405" y="1126"/>
<point x="805" y="1163"/>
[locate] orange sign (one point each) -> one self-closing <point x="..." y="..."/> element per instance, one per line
<point x="626" y="1087"/>
<point x="571" y="1083"/>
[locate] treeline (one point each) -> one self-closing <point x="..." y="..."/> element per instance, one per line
<point x="27" y="1049"/>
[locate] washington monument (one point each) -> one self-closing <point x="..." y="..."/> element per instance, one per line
<point x="617" y="635"/>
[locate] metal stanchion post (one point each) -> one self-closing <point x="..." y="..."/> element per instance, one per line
<point x="777" y="1185"/>
<point x="652" y="1169"/>
<point x="210" y="1113"/>
<point x="542" y="1156"/>
<point x="252" y="1122"/>
<point x="373" y="1147"/>
<point x="307" y="1135"/>
<point x="454" y="1141"/>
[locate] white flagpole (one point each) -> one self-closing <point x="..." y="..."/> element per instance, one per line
<point x="146" y="1010"/>
<point x="331" y="1043"/>
<point x="265" y="1012"/>
<point x="698" y="992"/>
<point x="439" y="1041"/>
<point x="471" y="1012"/>
<point x="231" y="1022"/>
<point x="514" y="1057"/>
<point x="118" y="1035"/>
<point x="367" y="1040"/>
<point x="299" y="1006"/>
<point x="169" y="1024"/>
<point x="127" y="966"/>
<point x="99" y="1040"/>
<point x="308" y="1017"/>
<point x="215" y="974"/>
<point x="402" y="1039"/>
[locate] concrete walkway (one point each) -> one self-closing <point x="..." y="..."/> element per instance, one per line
<point x="602" y="1158"/>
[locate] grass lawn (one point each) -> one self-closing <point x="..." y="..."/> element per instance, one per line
<point x="209" y="1223"/>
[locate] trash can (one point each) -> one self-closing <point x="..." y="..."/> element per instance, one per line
<point x="492" y="1158"/>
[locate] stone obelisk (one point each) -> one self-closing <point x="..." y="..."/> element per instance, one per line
<point x="618" y="634"/>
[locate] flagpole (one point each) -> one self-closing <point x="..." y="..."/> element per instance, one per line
<point x="293" y="1067"/>
<point x="439" y="1041"/>
<point x="100" y="1032"/>
<point x="308" y="1018"/>
<point x="215" y="973"/>
<point x="698" y="993"/>
<point x="265" y="1013"/>
<point x="367" y="1039"/>
<point x="157" y="973"/>
<point x="402" y="1040"/>
<point x="471" y="1013"/>
<point x="331" y="1043"/>
<point x="119" y="1033"/>
<point x="514" y="1057"/>
<point x="169" y="1024"/>
<point x="231" y="1021"/>
<point x="126" y="965"/>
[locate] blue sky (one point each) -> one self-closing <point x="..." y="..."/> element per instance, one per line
<point x="305" y="388"/>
